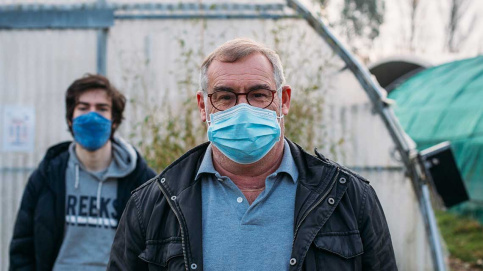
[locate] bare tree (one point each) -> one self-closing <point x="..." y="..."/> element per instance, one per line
<point x="359" y="21"/>
<point x="415" y="6"/>
<point x="455" y="34"/>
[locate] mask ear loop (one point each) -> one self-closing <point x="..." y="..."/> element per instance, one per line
<point x="279" y="92"/>
<point x="205" y="98"/>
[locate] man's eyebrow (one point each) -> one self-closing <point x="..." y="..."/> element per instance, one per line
<point x="259" y="86"/>
<point x="223" y="88"/>
<point x="103" y="104"/>
<point x="97" y="104"/>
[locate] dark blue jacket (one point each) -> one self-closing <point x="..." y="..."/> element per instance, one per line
<point x="339" y="223"/>
<point x="39" y="229"/>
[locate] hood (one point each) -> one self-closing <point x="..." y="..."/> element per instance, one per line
<point x="54" y="152"/>
<point x="123" y="162"/>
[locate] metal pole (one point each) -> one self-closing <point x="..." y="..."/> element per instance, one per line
<point x="434" y="232"/>
<point x="102" y="45"/>
<point x="102" y="51"/>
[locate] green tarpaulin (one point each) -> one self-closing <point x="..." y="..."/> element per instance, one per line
<point x="445" y="103"/>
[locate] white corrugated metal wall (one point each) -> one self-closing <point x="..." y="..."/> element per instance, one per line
<point x="151" y="60"/>
<point x="35" y="69"/>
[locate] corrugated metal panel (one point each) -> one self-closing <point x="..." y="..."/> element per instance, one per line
<point x="155" y="63"/>
<point x="36" y="67"/>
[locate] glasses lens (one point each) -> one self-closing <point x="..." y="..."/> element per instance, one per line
<point x="223" y="100"/>
<point x="260" y="97"/>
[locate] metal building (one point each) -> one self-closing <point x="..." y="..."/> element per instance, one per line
<point x="152" y="52"/>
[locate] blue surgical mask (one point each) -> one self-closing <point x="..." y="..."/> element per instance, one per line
<point x="244" y="133"/>
<point x="91" y="130"/>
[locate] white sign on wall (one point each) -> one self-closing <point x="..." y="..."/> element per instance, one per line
<point x="18" y="128"/>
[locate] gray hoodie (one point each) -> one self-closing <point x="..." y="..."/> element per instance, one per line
<point x="91" y="218"/>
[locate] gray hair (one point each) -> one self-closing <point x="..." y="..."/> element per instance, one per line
<point x="234" y="50"/>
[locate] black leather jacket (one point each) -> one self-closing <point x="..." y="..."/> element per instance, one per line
<point x="339" y="222"/>
<point x="39" y="229"/>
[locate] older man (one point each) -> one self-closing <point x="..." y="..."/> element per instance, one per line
<point x="250" y="199"/>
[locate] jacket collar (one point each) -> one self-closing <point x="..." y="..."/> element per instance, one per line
<point x="314" y="172"/>
<point x="287" y="165"/>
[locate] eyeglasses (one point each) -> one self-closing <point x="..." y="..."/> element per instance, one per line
<point x="223" y="99"/>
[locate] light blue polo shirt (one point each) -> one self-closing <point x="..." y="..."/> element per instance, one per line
<point x="239" y="236"/>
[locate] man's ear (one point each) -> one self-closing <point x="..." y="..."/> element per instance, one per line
<point x="286" y="96"/>
<point x="69" y="125"/>
<point x="201" y="105"/>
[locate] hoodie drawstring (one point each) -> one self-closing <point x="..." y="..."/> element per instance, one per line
<point x="76" y="185"/>
<point x="99" y="188"/>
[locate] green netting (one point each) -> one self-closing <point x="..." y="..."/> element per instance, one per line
<point x="446" y="103"/>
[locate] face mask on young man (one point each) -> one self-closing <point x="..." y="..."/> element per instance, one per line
<point x="244" y="133"/>
<point x="91" y="130"/>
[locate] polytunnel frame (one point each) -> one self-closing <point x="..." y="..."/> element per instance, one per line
<point x="101" y="15"/>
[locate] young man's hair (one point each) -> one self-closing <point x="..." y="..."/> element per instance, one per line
<point x="91" y="82"/>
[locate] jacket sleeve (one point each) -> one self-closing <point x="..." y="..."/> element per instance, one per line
<point x="378" y="250"/>
<point x="129" y="241"/>
<point x="22" y="248"/>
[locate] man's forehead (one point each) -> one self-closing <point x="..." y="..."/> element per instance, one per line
<point x="252" y="68"/>
<point x="95" y="96"/>
<point x="253" y="58"/>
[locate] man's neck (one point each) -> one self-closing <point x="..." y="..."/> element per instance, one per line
<point x="250" y="179"/>
<point x="96" y="160"/>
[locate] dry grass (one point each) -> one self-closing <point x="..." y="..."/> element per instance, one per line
<point x="464" y="239"/>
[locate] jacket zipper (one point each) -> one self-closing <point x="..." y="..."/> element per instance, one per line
<point x="179" y="221"/>
<point x="314" y="206"/>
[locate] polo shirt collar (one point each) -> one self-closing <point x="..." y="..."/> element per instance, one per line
<point x="287" y="165"/>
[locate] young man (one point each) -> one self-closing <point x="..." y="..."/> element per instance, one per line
<point x="251" y="199"/>
<point x="73" y="201"/>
